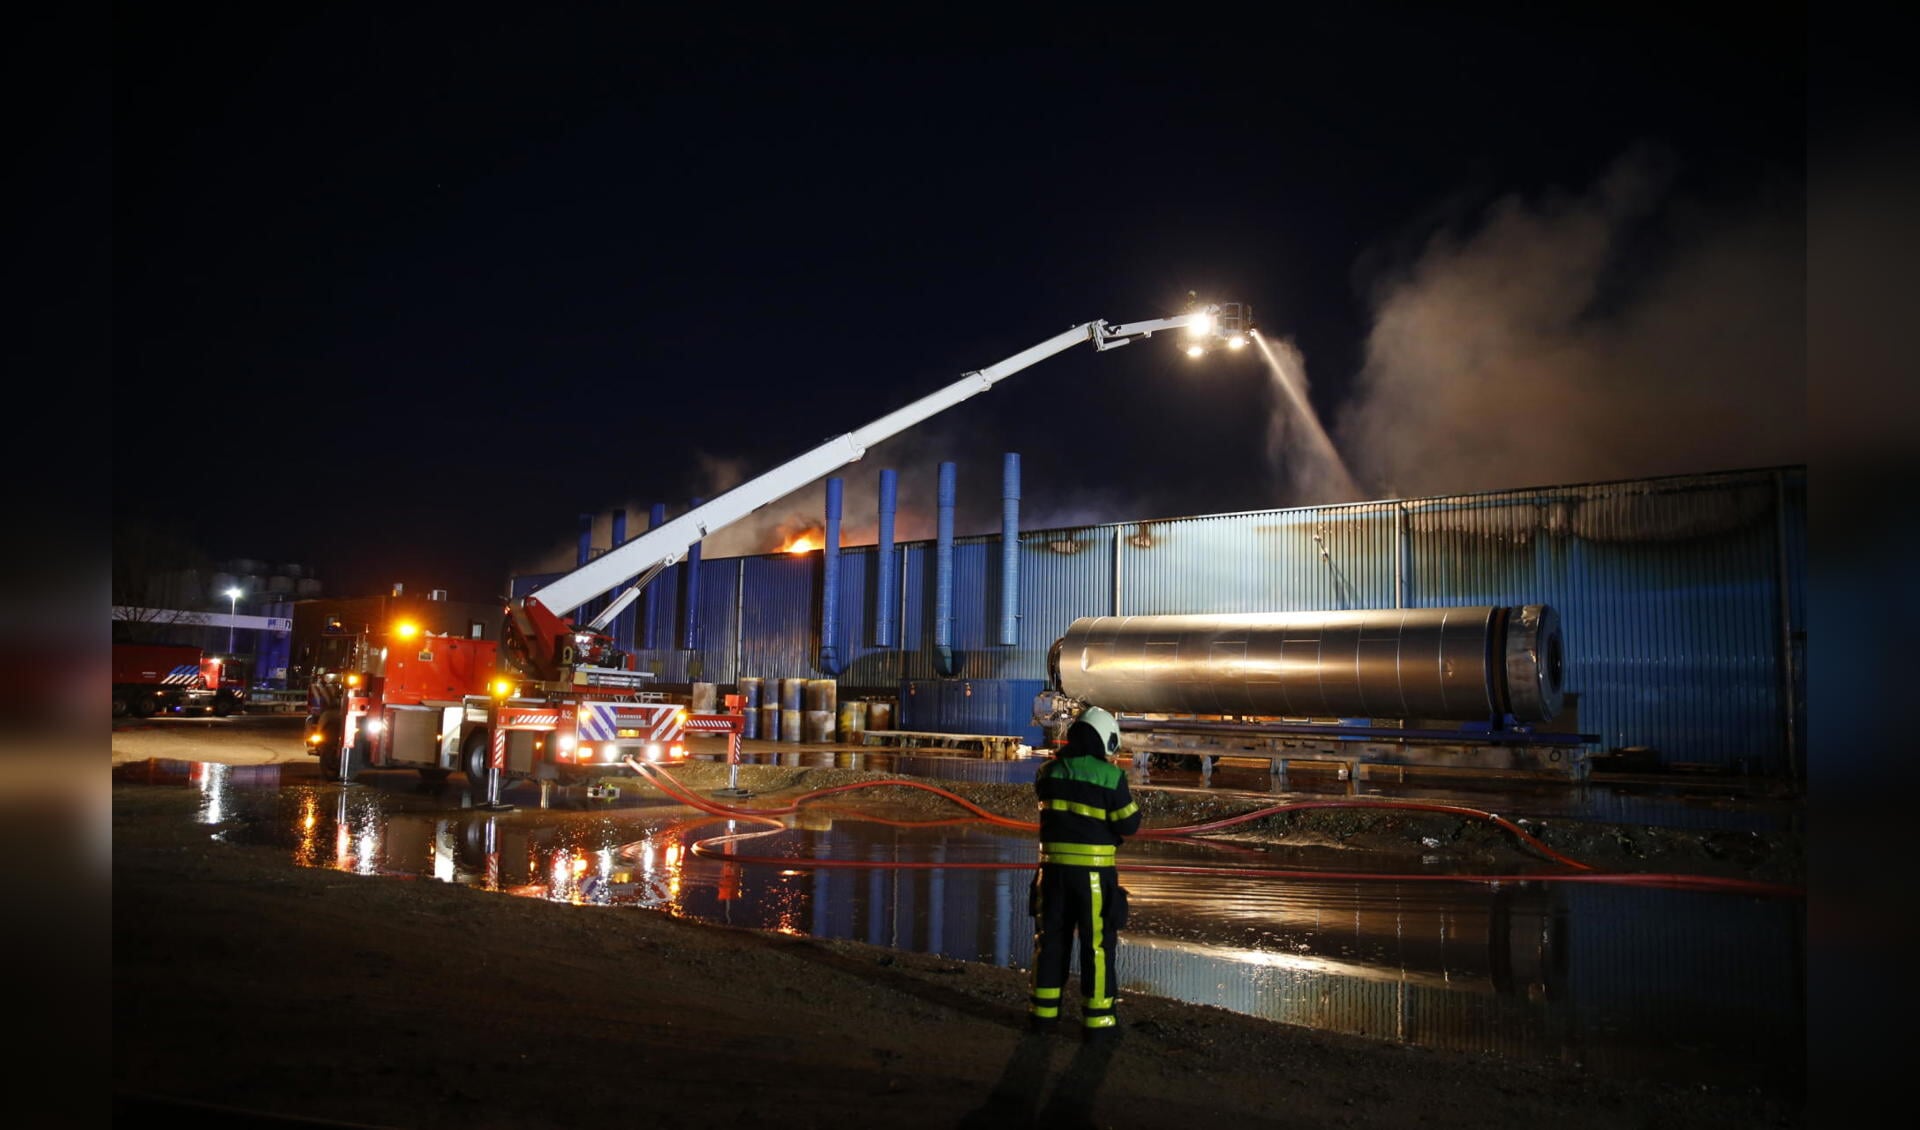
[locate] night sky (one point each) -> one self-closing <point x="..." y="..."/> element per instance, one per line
<point x="406" y="290"/>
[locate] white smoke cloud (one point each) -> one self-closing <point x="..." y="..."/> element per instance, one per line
<point x="1544" y="346"/>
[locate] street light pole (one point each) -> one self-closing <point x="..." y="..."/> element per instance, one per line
<point x="233" y="603"/>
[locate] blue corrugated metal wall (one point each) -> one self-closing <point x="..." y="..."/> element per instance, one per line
<point x="1682" y="601"/>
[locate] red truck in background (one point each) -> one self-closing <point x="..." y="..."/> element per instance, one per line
<point x="151" y="679"/>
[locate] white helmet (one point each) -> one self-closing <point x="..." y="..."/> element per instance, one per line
<point x="1105" y="725"/>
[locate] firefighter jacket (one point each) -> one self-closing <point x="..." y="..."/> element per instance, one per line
<point x="1086" y="809"/>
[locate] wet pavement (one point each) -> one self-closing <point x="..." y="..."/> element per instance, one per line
<point x="1679" y="985"/>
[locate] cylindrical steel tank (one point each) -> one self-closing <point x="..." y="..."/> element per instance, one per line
<point x="819" y="726"/>
<point x="770" y="723"/>
<point x="704" y="696"/>
<point x="792" y="727"/>
<point x="792" y="694"/>
<point x="879" y="716"/>
<point x="1462" y="664"/>
<point x="822" y="694"/>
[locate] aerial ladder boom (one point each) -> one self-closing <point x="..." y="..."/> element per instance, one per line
<point x="540" y="642"/>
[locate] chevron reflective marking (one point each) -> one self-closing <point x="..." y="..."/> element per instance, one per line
<point x="184" y="675"/>
<point x="605" y="721"/>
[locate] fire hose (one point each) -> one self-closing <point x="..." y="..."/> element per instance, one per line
<point x="1577" y="872"/>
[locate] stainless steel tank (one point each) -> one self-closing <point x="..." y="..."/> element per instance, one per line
<point x="1459" y="664"/>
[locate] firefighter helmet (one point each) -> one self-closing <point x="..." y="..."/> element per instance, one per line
<point x="1103" y="724"/>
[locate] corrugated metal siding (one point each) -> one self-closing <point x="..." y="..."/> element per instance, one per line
<point x="1064" y="575"/>
<point x="1666" y="593"/>
<point x="1336" y="557"/>
<point x="1669" y="593"/>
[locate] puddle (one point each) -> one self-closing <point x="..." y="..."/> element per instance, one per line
<point x="1625" y="981"/>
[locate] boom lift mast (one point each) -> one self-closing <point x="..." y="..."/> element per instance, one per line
<point x="541" y="644"/>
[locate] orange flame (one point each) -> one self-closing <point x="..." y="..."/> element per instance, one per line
<point x="802" y="544"/>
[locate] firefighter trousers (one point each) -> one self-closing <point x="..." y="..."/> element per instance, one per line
<point x="1070" y="904"/>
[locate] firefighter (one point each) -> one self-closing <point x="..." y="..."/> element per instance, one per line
<point x="1086" y="812"/>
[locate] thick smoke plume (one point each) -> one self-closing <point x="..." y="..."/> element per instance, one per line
<point x="1622" y="332"/>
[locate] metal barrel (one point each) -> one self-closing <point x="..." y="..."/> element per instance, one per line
<point x="1464" y="664"/>
<point x="879" y="716"/>
<point x="750" y="724"/>
<point x="750" y="688"/>
<point x="704" y="697"/>
<point x="853" y="720"/>
<point x="819" y="726"/>
<point x="792" y="726"/>
<point x="769" y="723"/>
<point x="792" y="694"/>
<point x="822" y="694"/>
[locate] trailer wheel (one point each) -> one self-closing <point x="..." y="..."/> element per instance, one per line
<point x="330" y="763"/>
<point x="119" y="708"/>
<point x="144" y="706"/>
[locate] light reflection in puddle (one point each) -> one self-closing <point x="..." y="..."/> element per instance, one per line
<point x="1623" y="980"/>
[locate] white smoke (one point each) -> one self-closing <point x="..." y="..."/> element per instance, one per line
<point x="1520" y="353"/>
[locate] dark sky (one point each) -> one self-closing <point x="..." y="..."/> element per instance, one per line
<point x="425" y="284"/>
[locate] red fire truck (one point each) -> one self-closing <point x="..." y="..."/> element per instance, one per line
<point x="440" y="704"/>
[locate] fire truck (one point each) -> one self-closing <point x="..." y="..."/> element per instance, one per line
<point x="151" y="679"/>
<point x="410" y="699"/>
<point x="556" y="694"/>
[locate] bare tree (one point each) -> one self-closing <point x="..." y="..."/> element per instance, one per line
<point x="148" y="563"/>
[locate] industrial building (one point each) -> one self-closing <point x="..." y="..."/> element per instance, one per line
<point x="1681" y="600"/>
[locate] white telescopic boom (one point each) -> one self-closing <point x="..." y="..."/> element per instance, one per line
<point x="660" y="547"/>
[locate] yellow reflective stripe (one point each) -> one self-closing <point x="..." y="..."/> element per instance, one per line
<point x="1046" y="994"/>
<point x="1074" y="807"/>
<point x="1079" y="855"/>
<point x="1099" y="948"/>
<point x="1102" y="1021"/>
<point x="1089" y="810"/>
<point x="1047" y="1012"/>
<point x="1099" y="1002"/>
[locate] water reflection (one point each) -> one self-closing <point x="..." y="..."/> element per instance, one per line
<point x="1625" y="980"/>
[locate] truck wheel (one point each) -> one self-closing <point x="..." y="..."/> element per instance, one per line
<point x="119" y="708"/>
<point x="473" y="758"/>
<point x="144" y="706"/>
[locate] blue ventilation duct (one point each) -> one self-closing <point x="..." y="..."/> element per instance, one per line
<point x="656" y="518"/>
<point x="581" y="556"/>
<point x="943" y="578"/>
<point x="884" y="597"/>
<point x="1010" y="550"/>
<point x="623" y="623"/>
<point x="830" y="584"/>
<point x="693" y="590"/>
